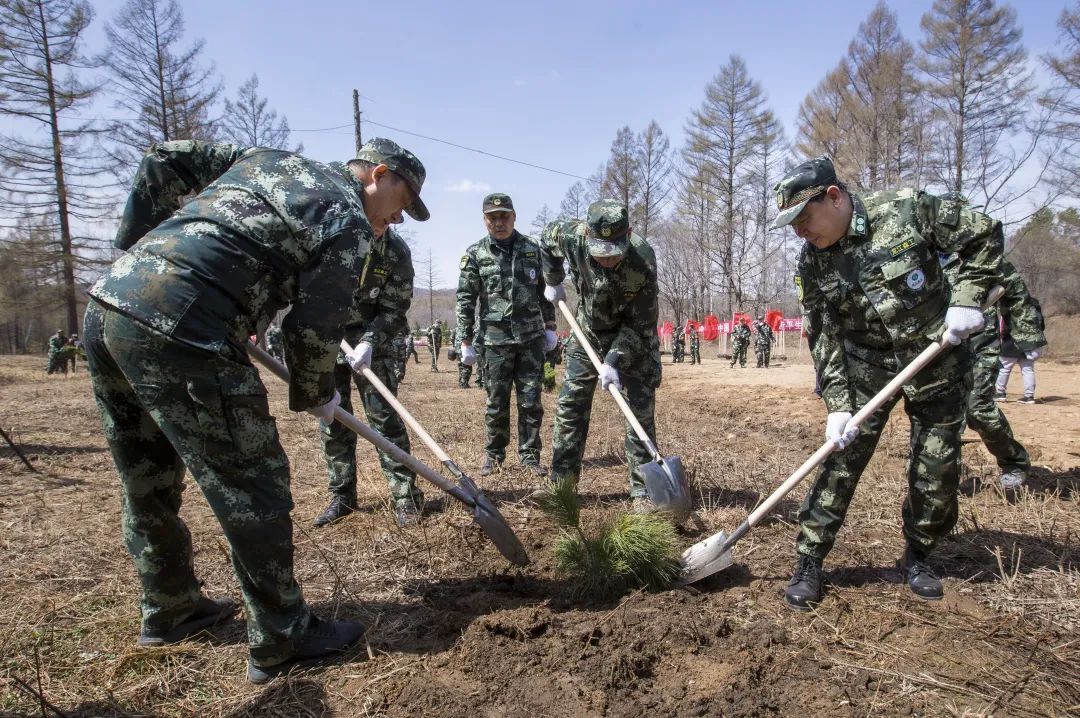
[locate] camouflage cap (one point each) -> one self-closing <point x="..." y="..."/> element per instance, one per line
<point x="607" y="226"/>
<point x="801" y="185"/>
<point x="498" y="202"/>
<point x="404" y="164"/>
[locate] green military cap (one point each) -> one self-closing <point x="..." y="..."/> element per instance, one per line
<point x="801" y="185"/>
<point x="607" y="226"/>
<point x="498" y="202"/>
<point x="404" y="164"/>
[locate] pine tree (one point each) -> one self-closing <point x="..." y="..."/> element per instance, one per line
<point x="247" y="121"/>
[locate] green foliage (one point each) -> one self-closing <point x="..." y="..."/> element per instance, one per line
<point x="549" y="377"/>
<point x="630" y="550"/>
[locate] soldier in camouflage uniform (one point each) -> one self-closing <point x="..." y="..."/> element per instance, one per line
<point x="274" y="343"/>
<point x="165" y="334"/>
<point x="763" y="341"/>
<point x="410" y="348"/>
<point x="501" y="273"/>
<point x="740" y="341"/>
<point x="1020" y="313"/>
<point x="614" y="272"/>
<point x="677" y="347"/>
<point x="873" y="297"/>
<point x="695" y="346"/>
<point x="434" y="335"/>
<point x="383" y="294"/>
<point x="57" y="358"/>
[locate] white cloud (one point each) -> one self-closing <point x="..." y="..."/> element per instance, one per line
<point x="519" y="83"/>
<point x="467" y="185"/>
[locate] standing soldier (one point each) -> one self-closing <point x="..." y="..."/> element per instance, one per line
<point x="57" y="358"/>
<point x="383" y="294"/>
<point x="874" y="296"/>
<point x="501" y="273"/>
<point x="73" y="350"/>
<point x="274" y="344"/>
<point x="1022" y="319"/>
<point x="740" y="341"/>
<point x="695" y="345"/>
<point x="410" y="348"/>
<point x="614" y="272"/>
<point x="165" y="333"/>
<point x="677" y="348"/>
<point x="763" y="341"/>
<point x="434" y="334"/>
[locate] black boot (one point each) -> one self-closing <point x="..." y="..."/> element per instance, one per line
<point x="208" y="611"/>
<point x="339" y="508"/>
<point x="489" y="465"/>
<point x="920" y="577"/>
<point x="805" y="587"/>
<point x="321" y="639"/>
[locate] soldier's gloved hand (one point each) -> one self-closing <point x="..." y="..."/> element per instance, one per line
<point x="325" y="412"/>
<point x="609" y="375"/>
<point x="551" y="340"/>
<point x="836" y="428"/>
<point x="360" y="357"/>
<point x="554" y="293"/>
<point x="1033" y="354"/>
<point x="468" y="354"/>
<point x="961" y="322"/>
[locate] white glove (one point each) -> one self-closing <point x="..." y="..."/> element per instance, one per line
<point x="836" y="428"/>
<point x="961" y="322"/>
<point x="325" y="412"/>
<point x="360" y="357"/>
<point x="551" y="340"/>
<point x="609" y="375"/>
<point x="468" y="354"/>
<point x="554" y="294"/>
<point x="1033" y="354"/>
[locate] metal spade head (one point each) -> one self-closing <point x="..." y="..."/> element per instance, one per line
<point x="705" y="558"/>
<point x="667" y="487"/>
<point x="492" y="523"/>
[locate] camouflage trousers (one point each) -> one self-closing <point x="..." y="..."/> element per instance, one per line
<point x="464" y="373"/>
<point x="433" y="350"/>
<point x="165" y="405"/>
<point x="519" y="367"/>
<point x="677" y="352"/>
<point x="695" y="354"/>
<point x="987" y="419"/>
<point x="339" y="442"/>
<point x="738" y="353"/>
<point x="573" y="412"/>
<point x="935" y="404"/>
<point x="58" y="363"/>
<point x="763" y="352"/>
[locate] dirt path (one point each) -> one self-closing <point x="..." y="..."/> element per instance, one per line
<point x="455" y="631"/>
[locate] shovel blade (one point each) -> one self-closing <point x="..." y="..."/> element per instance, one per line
<point x="492" y="523"/>
<point x="705" y="558"/>
<point x="667" y="487"/>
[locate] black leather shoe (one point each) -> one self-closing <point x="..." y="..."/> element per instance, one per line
<point x="489" y="466"/>
<point x="920" y="577"/>
<point x="208" y="611"/>
<point x="339" y="508"/>
<point x="321" y="639"/>
<point x="407" y="514"/>
<point x="805" y="587"/>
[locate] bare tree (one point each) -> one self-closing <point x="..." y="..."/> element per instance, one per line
<point x="622" y="175"/>
<point x="655" y="174"/>
<point x="1063" y="100"/>
<point x="575" y="203"/>
<point x="541" y="220"/>
<point x="427" y="277"/>
<point x="247" y="121"/>
<point x="51" y="177"/>
<point x="165" y="90"/>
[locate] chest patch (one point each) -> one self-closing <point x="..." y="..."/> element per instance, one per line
<point x="897" y="249"/>
<point x="915" y="279"/>
<point x="532" y="275"/>
<point x="374" y="293"/>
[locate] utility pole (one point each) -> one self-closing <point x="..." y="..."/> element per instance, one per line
<point x="356" y="118"/>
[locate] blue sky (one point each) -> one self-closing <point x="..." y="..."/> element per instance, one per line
<point x="544" y="82"/>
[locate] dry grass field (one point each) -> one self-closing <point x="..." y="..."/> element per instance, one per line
<point x="456" y="631"/>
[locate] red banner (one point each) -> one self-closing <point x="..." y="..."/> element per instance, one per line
<point x="773" y="317"/>
<point x="712" y="328"/>
<point x="791" y="324"/>
<point x="743" y="317"/>
<point x="665" y="330"/>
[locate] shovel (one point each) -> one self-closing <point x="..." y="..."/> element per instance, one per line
<point x="713" y="554"/>
<point x="665" y="479"/>
<point x="484" y="513"/>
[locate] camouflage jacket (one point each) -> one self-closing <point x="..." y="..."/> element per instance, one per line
<point x="741" y="334"/>
<point x="504" y="277"/>
<point x="266" y="229"/>
<point x="881" y="287"/>
<point x="695" y="341"/>
<point x="617" y="308"/>
<point x="1017" y="315"/>
<point x="763" y="333"/>
<point x="273" y="339"/>
<point x="384" y="290"/>
<point x="434" y="335"/>
<point x="56" y="344"/>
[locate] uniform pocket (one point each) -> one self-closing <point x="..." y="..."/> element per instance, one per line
<point x="912" y="279"/>
<point x="232" y="411"/>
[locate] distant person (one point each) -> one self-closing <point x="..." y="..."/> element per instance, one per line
<point x="434" y="336"/>
<point x="1022" y="343"/>
<point x="874" y="297"/>
<point x="165" y="335"/>
<point x="677" y="347"/>
<point x="410" y="348"/>
<point x="73" y="350"/>
<point x="274" y="343"/>
<point x="695" y="345"/>
<point x="740" y="342"/>
<point x="57" y="360"/>
<point x="763" y="341"/>
<point x="500" y="286"/>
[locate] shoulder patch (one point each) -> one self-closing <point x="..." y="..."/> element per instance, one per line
<point x="798" y="286"/>
<point x="464" y="262"/>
